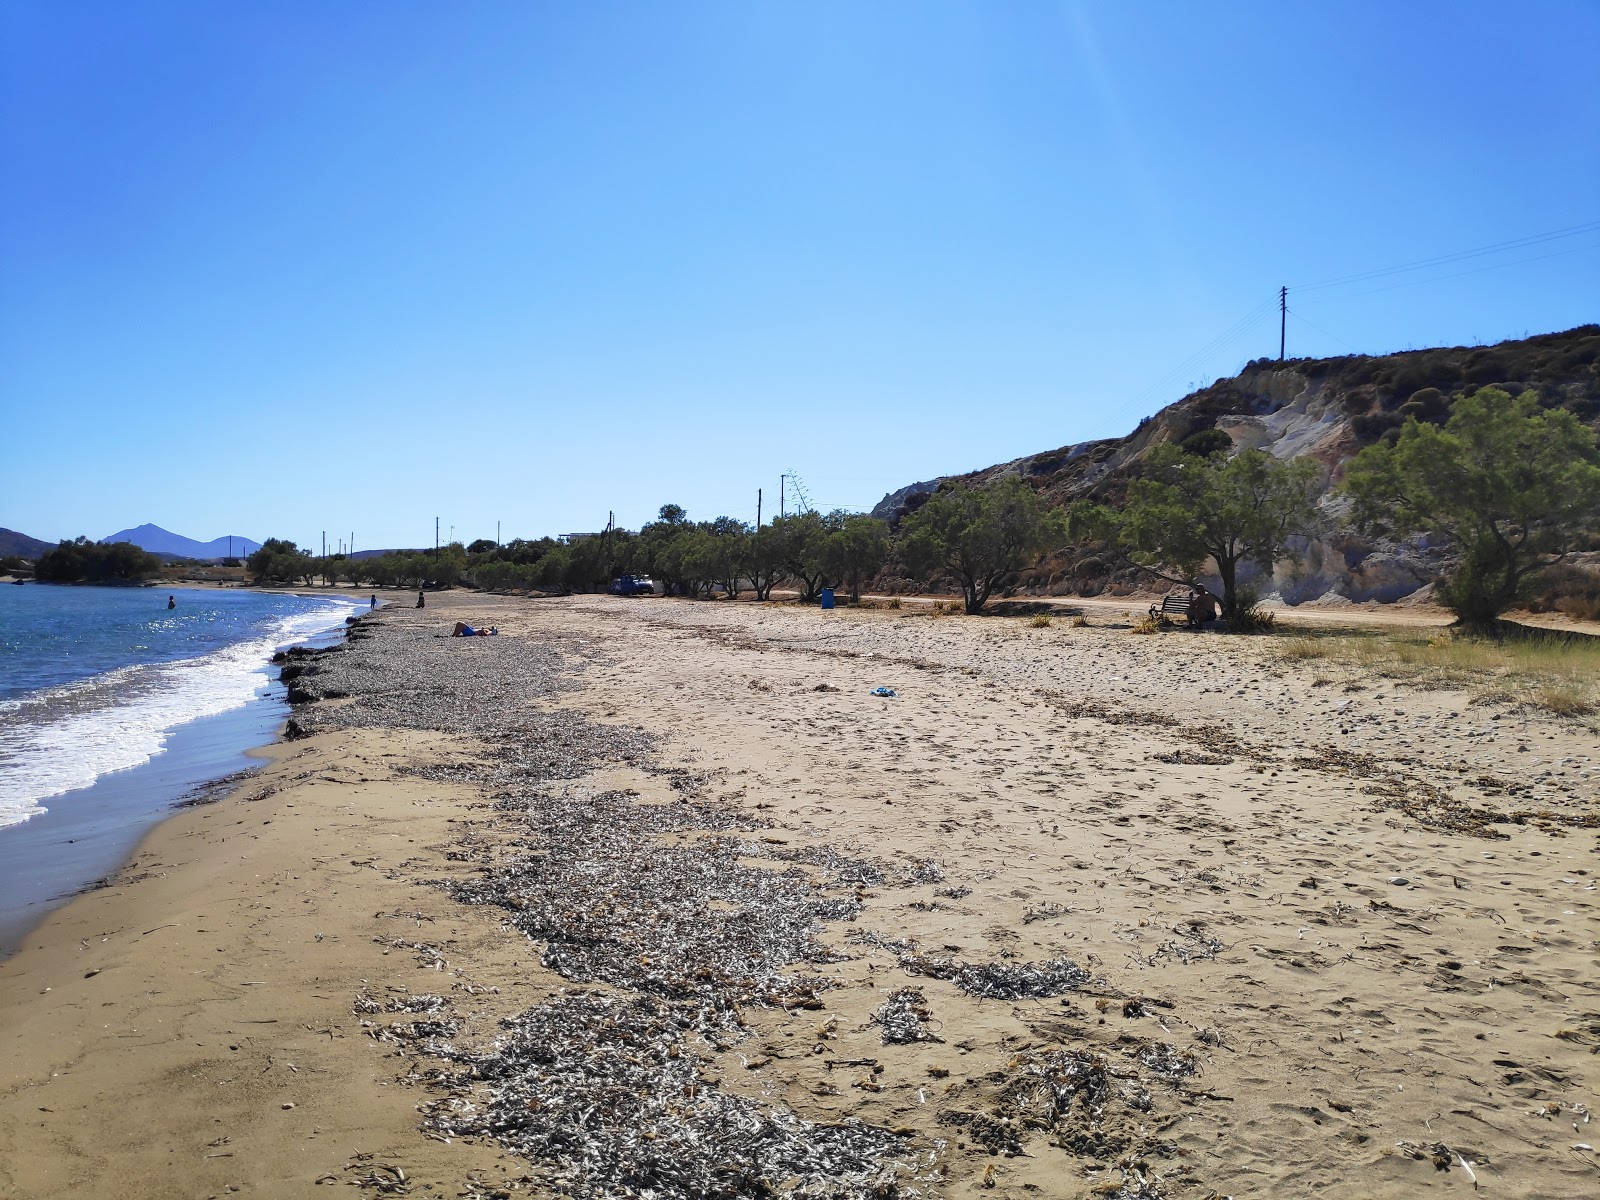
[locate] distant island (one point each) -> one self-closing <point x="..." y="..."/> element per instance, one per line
<point x="83" y="561"/>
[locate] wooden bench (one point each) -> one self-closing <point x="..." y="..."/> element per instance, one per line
<point x="1170" y="608"/>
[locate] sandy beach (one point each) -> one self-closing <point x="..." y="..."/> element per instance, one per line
<point x="657" y="894"/>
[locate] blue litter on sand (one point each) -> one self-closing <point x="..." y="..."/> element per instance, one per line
<point x="882" y="691"/>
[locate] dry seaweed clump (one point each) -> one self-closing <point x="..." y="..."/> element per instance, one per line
<point x="1065" y="1085"/>
<point x="1001" y="981"/>
<point x="606" y="1091"/>
<point x="685" y="921"/>
<point x="608" y="1094"/>
<point x="905" y="1018"/>
<point x="1092" y="1106"/>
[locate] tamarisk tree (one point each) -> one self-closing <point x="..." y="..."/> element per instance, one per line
<point x="1512" y="487"/>
<point x="1189" y="509"/>
<point x="980" y="536"/>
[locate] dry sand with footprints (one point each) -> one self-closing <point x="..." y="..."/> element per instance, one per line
<point x="657" y="895"/>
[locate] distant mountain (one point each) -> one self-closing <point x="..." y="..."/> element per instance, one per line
<point x="21" y="545"/>
<point x="164" y="542"/>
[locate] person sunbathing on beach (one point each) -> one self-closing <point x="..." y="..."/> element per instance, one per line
<point x="462" y="629"/>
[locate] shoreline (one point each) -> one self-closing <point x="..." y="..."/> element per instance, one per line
<point x="105" y="821"/>
<point x="1299" y="974"/>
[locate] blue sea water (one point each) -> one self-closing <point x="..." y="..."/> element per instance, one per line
<point x="95" y="681"/>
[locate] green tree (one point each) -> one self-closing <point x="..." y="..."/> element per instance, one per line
<point x="802" y="545"/>
<point x="1188" y="508"/>
<point x="1511" y="487"/>
<point x="764" y="559"/>
<point x="281" y="561"/>
<point x="587" y="565"/>
<point x="663" y="550"/>
<point x="83" y="561"/>
<point x="856" y="551"/>
<point x="730" y="553"/>
<point x="981" y="536"/>
<point x="551" y="570"/>
<point x="259" y="561"/>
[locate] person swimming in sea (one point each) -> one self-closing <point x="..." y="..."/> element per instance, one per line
<point x="172" y="602"/>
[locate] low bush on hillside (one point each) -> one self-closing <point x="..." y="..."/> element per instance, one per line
<point x="1574" y="591"/>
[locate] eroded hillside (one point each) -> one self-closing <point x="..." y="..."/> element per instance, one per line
<point x="1325" y="408"/>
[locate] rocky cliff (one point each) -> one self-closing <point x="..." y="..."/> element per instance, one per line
<point x="1327" y="409"/>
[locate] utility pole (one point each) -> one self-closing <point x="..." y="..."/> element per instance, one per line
<point x="436" y="537"/>
<point x="497" y="533"/>
<point x="1283" y="318"/>
<point x="324" y="543"/>
<point x="758" y="508"/>
<point x="782" y="479"/>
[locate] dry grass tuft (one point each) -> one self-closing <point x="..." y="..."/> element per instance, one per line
<point x="1303" y="648"/>
<point x="1040" y="622"/>
<point x="1558" y="675"/>
<point x="1562" y="701"/>
<point x="1080" y="622"/>
<point x="894" y="602"/>
<point x="1148" y="625"/>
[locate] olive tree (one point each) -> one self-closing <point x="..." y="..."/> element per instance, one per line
<point x="1510" y="486"/>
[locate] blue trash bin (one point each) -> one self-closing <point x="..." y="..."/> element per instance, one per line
<point x="827" y="597"/>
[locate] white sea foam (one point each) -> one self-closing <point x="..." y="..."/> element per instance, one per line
<point x="65" y="738"/>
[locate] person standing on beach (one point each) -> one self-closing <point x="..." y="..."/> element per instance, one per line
<point x="374" y="602"/>
<point x="421" y="599"/>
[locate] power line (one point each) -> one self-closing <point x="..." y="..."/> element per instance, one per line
<point x="1216" y="345"/>
<point x="1253" y="318"/>
<point x="1476" y="270"/>
<point x="1458" y="256"/>
<point x="1324" y="332"/>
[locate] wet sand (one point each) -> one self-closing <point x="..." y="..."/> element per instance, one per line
<point x="1327" y="935"/>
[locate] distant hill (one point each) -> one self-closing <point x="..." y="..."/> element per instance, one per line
<point x="20" y="545"/>
<point x="174" y="545"/>
<point x="380" y="553"/>
<point x="1326" y="409"/>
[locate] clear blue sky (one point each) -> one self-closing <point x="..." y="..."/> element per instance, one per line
<point x="272" y="268"/>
